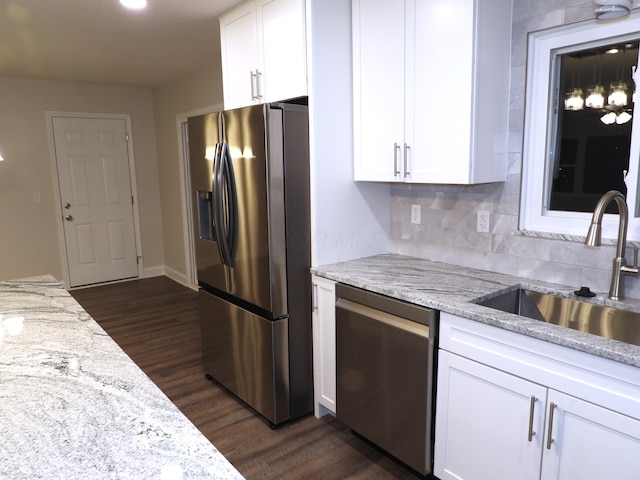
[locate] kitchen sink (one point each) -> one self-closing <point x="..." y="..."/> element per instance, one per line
<point x="607" y="322"/>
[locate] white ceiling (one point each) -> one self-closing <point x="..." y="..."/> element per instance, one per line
<point x="101" y="41"/>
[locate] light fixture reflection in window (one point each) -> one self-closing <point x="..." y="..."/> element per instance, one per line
<point x="574" y="100"/>
<point x="617" y="118"/>
<point x="608" y="118"/>
<point x="623" y="117"/>
<point x="595" y="97"/>
<point x="618" y="94"/>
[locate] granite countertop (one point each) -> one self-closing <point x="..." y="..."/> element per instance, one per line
<point x="74" y="405"/>
<point x="454" y="289"/>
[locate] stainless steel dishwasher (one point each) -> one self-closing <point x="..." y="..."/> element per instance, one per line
<point x="385" y="353"/>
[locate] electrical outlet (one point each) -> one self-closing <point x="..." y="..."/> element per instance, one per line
<point x="483" y="222"/>
<point x="416" y="213"/>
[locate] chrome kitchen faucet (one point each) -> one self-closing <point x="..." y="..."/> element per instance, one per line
<point x="620" y="267"/>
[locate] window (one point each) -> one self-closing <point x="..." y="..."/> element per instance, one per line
<point x="580" y="142"/>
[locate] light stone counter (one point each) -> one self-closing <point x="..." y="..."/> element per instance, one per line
<point x="73" y="405"/>
<point x="454" y="289"/>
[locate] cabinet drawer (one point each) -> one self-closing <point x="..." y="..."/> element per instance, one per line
<point x="595" y="379"/>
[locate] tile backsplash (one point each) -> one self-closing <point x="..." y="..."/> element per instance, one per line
<point x="447" y="231"/>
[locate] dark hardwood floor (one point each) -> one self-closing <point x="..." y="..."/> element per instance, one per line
<point x="155" y="321"/>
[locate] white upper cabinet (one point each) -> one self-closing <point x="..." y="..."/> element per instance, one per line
<point x="263" y="51"/>
<point x="431" y="88"/>
<point x="378" y="89"/>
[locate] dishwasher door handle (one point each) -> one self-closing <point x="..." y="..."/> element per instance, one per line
<point x="384" y="317"/>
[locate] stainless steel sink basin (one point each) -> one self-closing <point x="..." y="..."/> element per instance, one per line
<point x="607" y="322"/>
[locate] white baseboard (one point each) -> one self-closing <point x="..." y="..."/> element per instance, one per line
<point x="177" y="276"/>
<point x="154" y="271"/>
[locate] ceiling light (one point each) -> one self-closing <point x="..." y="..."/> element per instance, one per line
<point x="610" y="9"/>
<point x="134" y="4"/>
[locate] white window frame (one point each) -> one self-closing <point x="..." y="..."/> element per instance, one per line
<point x="538" y="136"/>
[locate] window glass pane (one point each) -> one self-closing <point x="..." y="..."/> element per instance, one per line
<point x="593" y="112"/>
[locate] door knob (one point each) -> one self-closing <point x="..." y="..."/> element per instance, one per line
<point x="67" y="205"/>
<point x="68" y="217"/>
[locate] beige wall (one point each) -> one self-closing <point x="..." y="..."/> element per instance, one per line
<point x="199" y="91"/>
<point x="29" y="235"/>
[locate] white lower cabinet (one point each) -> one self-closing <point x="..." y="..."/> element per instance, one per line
<point x="492" y="424"/>
<point x="584" y="440"/>
<point x="482" y="423"/>
<point x="324" y="346"/>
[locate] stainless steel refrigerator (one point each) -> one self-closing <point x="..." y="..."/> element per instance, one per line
<point x="249" y="171"/>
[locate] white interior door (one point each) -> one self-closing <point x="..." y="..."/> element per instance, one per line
<point x="97" y="203"/>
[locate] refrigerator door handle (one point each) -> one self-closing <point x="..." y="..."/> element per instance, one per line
<point x="216" y="192"/>
<point x="225" y="210"/>
<point x="229" y="179"/>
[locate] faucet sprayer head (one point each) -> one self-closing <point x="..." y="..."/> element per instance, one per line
<point x="594" y="235"/>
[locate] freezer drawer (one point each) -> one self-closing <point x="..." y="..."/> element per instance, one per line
<point x="247" y="354"/>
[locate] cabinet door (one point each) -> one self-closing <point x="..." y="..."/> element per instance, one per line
<point x="324" y="345"/>
<point x="589" y="441"/>
<point x="378" y="89"/>
<point x="483" y="420"/>
<point x="282" y="46"/>
<point x="240" y="60"/>
<point x="442" y="94"/>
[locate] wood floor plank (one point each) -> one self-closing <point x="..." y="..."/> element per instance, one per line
<point x="155" y="321"/>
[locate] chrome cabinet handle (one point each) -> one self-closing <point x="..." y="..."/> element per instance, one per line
<point x="68" y="218"/>
<point x="531" y="410"/>
<point x="67" y="205"/>
<point x="314" y="301"/>
<point x="552" y="407"/>
<point x="396" y="171"/>
<point x="254" y="82"/>
<point x="255" y="85"/>
<point x="406" y="161"/>
<point x="258" y="92"/>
